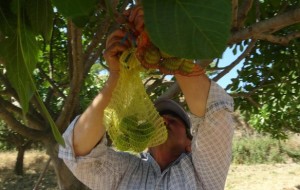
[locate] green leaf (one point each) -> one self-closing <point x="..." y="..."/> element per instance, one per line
<point x="40" y="14"/>
<point x="189" y="28"/>
<point x="241" y="47"/>
<point x="75" y="8"/>
<point x="234" y="50"/>
<point x="19" y="51"/>
<point x="54" y="128"/>
<point x="81" y="21"/>
<point x="16" y="5"/>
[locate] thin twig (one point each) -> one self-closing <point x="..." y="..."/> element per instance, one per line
<point x="236" y="62"/>
<point x="42" y="175"/>
<point x="254" y="103"/>
<point x="93" y="58"/>
<point x="257" y="10"/>
<point x="270" y="25"/>
<point x="8" y="88"/>
<point x="54" y="86"/>
<point x="282" y="40"/>
<point x="234" y="4"/>
<point x="253" y="91"/>
<point x="19" y="127"/>
<point x="243" y="11"/>
<point x="96" y="40"/>
<point x="172" y="91"/>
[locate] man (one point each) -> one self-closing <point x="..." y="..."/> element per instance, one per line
<point x="182" y="162"/>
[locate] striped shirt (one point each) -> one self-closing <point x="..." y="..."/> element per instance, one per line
<point x="206" y="168"/>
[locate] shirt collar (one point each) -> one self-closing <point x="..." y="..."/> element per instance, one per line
<point x="147" y="157"/>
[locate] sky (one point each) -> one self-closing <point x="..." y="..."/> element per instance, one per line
<point x="227" y="58"/>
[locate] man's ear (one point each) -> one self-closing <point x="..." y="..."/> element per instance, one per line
<point x="188" y="147"/>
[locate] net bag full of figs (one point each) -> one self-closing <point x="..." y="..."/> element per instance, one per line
<point x="131" y="120"/>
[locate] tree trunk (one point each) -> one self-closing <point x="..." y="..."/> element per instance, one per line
<point x="65" y="179"/>
<point x="19" y="162"/>
<point x="19" y="170"/>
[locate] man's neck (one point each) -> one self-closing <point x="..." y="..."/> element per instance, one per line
<point x="164" y="157"/>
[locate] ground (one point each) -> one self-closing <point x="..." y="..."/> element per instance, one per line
<point x="264" y="177"/>
<point x="241" y="177"/>
<point x="34" y="163"/>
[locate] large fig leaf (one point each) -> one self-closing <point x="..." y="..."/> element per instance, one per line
<point x="40" y="14"/>
<point x="195" y="29"/>
<point x="19" y="50"/>
<point x="20" y="53"/>
<point x="75" y="9"/>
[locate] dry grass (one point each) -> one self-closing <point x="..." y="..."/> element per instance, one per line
<point x="264" y="177"/>
<point x="241" y="177"/>
<point x="34" y="163"/>
<point x="285" y="176"/>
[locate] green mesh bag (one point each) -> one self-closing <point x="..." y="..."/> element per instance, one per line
<point x="131" y="119"/>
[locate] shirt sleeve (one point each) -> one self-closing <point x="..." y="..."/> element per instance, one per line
<point x="102" y="168"/>
<point x="212" y="141"/>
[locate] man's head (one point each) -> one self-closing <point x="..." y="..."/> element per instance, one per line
<point x="171" y="108"/>
<point x="179" y="137"/>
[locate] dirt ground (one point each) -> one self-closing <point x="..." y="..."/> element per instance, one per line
<point x="264" y="177"/>
<point x="241" y="177"/>
<point x="34" y="163"/>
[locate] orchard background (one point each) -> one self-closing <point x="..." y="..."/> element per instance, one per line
<point x="51" y="57"/>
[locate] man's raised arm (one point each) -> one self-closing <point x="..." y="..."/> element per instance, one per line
<point x="195" y="90"/>
<point x="89" y="129"/>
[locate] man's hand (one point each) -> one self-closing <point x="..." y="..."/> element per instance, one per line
<point x="135" y="16"/>
<point x="116" y="43"/>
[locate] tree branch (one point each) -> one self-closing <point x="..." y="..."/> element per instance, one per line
<point x="237" y="61"/>
<point x="203" y="63"/>
<point x="5" y="93"/>
<point x="75" y="35"/>
<point x="69" y="49"/>
<point x="157" y="82"/>
<point x="96" y="39"/>
<point x="9" y="89"/>
<point x="243" y="12"/>
<point x="55" y="87"/>
<point x="234" y="5"/>
<point x="93" y="53"/>
<point x="33" y="122"/>
<point x="267" y="26"/>
<point x="172" y="91"/>
<point x="254" y="103"/>
<point x="254" y="90"/>
<point x="18" y="127"/>
<point x="282" y="40"/>
<point x="257" y="10"/>
<point x="93" y="58"/>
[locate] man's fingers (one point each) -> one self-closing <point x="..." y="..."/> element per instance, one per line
<point x="136" y="17"/>
<point x="116" y="34"/>
<point x="136" y="11"/>
<point x="122" y="41"/>
<point x="139" y="23"/>
<point x="114" y="50"/>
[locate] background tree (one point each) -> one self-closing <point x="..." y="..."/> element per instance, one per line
<point x="12" y="140"/>
<point x="47" y="57"/>
<point x="266" y="89"/>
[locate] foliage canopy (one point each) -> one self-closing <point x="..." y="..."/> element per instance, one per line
<point x="55" y="43"/>
<point x="50" y="57"/>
